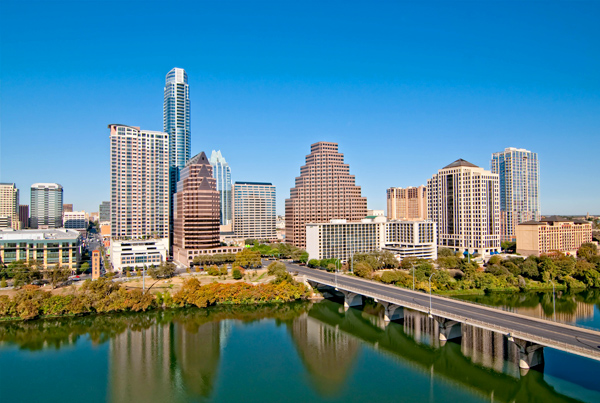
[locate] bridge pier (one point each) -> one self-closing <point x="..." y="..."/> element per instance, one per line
<point x="351" y="299"/>
<point x="530" y="354"/>
<point x="392" y="312"/>
<point x="449" y="329"/>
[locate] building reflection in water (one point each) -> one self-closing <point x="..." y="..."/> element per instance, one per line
<point x="165" y="362"/>
<point x="328" y="353"/>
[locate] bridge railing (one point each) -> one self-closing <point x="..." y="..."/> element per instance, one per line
<point x="545" y="341"/>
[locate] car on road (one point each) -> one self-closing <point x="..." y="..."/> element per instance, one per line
<point x="74" y="278"/>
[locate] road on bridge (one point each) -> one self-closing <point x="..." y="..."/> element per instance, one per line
<point x="576" y="340"/>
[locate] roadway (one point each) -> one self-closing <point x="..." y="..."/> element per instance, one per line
<point x="544" y="332"/>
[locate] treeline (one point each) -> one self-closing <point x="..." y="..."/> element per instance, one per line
<point x="105" y="296"/>
<point x="246" y="258"/>
<point x="26" y="272"/>
<point x="279" y="250"/>
<point x="459" y="273"/>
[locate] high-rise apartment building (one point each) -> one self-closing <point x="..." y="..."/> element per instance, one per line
<point x="176" y="123"/>
<point x="9" y="204"/>
<point x="139" y="196"/>
<point x="104" y="211"/>
<point x="254" y="210"/>
<point x="407" y="204"/>
<point x="196" y="216"/>
<point x="519" y="173"/>
<point x="46" y="206"/>
<point x="325" y="190"/>
<point x="222" y="173"/>
<point x="464" y="200"/>
<point x="24" y="215"/>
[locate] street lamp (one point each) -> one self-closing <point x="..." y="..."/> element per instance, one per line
<point x="430" y="296"/>
<point x="553" y="301"/>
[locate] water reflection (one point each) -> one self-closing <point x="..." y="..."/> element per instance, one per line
<point x="176" y="355"/>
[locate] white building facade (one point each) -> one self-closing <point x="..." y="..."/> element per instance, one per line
<point x="9" y="205"/>
<point x="137" y="253"/>
<point x="464" y="201"/>
<point x="46" y="206"/>
<point x="77" y="220"/>
<point x="254" y="210"/>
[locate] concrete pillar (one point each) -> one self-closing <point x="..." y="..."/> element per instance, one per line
<point x="392" y="312"/>
<point x="352" y="299"/>
<point x="449" y="329"/>
<point x="530" y="354"/>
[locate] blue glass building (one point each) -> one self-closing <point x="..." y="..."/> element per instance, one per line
<point x="222" y="173"/>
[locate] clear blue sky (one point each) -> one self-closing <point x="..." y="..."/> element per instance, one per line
<point x="404" y="88"/>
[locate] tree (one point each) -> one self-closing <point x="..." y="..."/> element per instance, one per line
<point x="587" y="251"/>
<point x="248" y="259"/>
<point x="85" y="266"/>
<point x="164" y="270"/>
<point x="445" y="252"/>
<point x="314" y="263"/>
<point x="237" y="274"/>
<point x="56" y="275"/>
<point x="363" y="269"/>
<point x="276" y="269"/>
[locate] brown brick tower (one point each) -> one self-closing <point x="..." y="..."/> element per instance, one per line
<point x="325" y="190"/>
<point x="196" y="209"/>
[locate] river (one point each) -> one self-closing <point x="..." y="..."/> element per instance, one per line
<point x="300" y="352"/>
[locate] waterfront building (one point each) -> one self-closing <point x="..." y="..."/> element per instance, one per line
<point x="519" y="175"/>
<point x="46" y="206"/>
<point x="138" y="253"/>
<point x="176" y="123"/>
<point x="77" y="220"/>
<point x="464" y="201"/>
<point x="196" y="217"/>
<point x="407" y="203"/>
<point x="552" y="234"/>
<point x="222" y="173"/>
<point x="139" y="183"/>
<point x="9" y="205"/>
<point x="342" y="239"/>
<point x="324" y="191"/>
<point x="104" y="211"/>
<point x="67" y="208"/>
<point x="49" y="247"/>
<point x="254" y="210"/>
<point x="24" y="215"/>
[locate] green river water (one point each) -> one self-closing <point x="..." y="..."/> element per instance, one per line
<point x="300" y="352"/>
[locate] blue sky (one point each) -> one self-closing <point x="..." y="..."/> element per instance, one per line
<point x="404" y="87"/>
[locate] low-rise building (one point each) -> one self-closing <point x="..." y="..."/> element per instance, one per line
<point x="552" y="234"/>
<point x="342" y="239"/>
<point x="75" y="220"/>
<point x="138" y="252"/>
<point x="47" y="246"/>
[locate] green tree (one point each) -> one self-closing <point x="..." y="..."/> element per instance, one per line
<point x="237" y="274"/>
<point x="85" y="266"/>
<point x="57" y="274"/>
<point x="587" y="251"/>
<point x="314" y="263"/>
<point x="164" y="270"/>
<point x="363" y="269"/>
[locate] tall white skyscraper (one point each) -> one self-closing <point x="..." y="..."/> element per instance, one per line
<point x="519" y="173"/>
<point x="139" y="196"/>
<point x="46" y="205"/>
<point x="222" y="173"/>
<point x="464" y="200"/>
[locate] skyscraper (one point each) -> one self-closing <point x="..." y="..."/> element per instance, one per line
<point x="464" y="200"/>
<point x="254" y="210"/>
<point x="222" y="173"/>
<point x="519" y="173"/>
<point x="176" y="123"/>
<point x="46" y="205"/>
<point x="9" y="204"/>
<point x="407" y="204"/>
<point x="325" y="190"/>
<point x="139" y="196"/>
<point x="104" y="211"/>
<point x="196" y="216"/>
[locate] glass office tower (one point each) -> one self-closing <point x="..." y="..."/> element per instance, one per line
<point x="222" y="173"/>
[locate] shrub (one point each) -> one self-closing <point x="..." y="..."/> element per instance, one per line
<point x="237" y="274"/>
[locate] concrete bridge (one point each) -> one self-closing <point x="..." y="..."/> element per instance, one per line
<point x="529" y="334"/>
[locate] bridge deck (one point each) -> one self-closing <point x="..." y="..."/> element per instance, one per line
<point x="572" y="339"/>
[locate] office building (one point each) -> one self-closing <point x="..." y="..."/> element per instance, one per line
<point x="24" y="215"/>
<point x="552" y="234"/>
<point x="222" y="173"/>
<point x="342" y="239"/>
<point x="77" y="220"/>
<point x="464" y="201"/>
<point x="138" y="253"/>
<point x="407" y="203"/>
<point x="139" y="183"/>
<point x="196" y="217"/>
<point x="49" y="247"/>
<point x="5" y="222"/>
<point x="104" y="211"/>
<point x="176" y="123"/>
<point x="254" y="210"/>
<point x="324" y="191"/>
<point x="519" y="174"/>
<point x="9" y="205"/>
<point x="67" y="208"/>
<point x="46" y="206"/>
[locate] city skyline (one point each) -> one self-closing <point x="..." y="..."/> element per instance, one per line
<point x="430" y="85"/>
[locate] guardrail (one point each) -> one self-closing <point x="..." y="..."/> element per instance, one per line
<point x="589" y="352"/>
